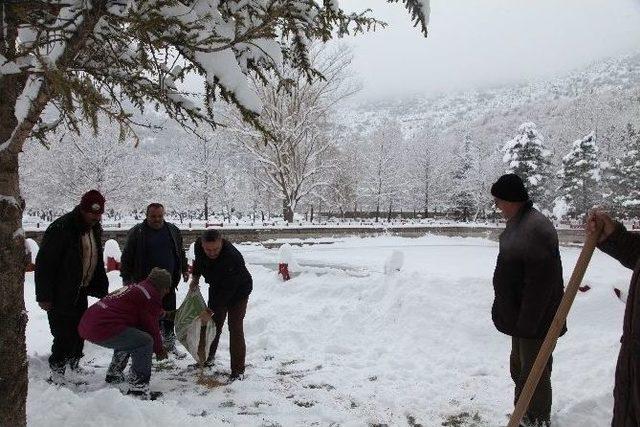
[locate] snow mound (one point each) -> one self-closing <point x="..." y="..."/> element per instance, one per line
<point x="394" y="262"/>
<point x="112" y="250"/>
<point x="31" y="248"/>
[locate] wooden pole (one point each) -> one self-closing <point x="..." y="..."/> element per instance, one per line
<point x="554" y="330"/>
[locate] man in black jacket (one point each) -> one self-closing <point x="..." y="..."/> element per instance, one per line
<point x="156" y="243"/>
<point x="230" y="284"/>
<point x="69" y="267"/>
<point x="528" y="288"/>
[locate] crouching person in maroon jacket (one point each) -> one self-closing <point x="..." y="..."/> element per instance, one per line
<point x="127" y="322"/>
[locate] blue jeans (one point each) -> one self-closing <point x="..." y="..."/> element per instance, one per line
<point x="139" y="345"/>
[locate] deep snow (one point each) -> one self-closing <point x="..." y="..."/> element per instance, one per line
<point x="343" y="343"/>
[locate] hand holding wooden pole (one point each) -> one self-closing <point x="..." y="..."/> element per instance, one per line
<point x="556" y="327"/>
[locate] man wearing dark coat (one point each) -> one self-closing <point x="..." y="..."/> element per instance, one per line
<point x="156" y="243"/>
<point x="69" y="267"/>
<point x="230" y="284"/>
<point x="624" y="246"/>
<point x="528" y="288"/>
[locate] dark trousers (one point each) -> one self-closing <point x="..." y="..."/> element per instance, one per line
<point x="67" y="344"/>
<point x="167" y="324"/>
<point x="138" y="344"/>
<point x="237" y="346"/>
<point x="523" y="355"/>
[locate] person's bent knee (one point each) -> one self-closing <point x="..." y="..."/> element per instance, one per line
<point x="145" y="340"/>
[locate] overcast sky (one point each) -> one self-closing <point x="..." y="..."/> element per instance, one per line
<point x="489" y="42"/>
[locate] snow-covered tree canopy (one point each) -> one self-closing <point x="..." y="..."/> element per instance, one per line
<point x="580" y="177"/>
<point x="526" y="155"/>
<point x="87" y="57"/>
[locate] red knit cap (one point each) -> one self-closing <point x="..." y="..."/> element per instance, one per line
<point x="92" y="201"/>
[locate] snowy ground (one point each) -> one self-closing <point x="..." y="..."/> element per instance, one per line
<point x="344" y="344"/>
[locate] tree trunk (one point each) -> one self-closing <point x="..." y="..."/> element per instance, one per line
<point x="206" y="209"/>
<point x="311" y="215"/>
<point x="426" y="204"/>
<point x="13" y="350"/>
<point x="377" y="211"/>
<point x="287" y="212"/>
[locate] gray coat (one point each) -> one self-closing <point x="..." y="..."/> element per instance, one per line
<point x="527" y="280"/>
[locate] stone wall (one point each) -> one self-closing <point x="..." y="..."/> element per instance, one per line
<point x="566" y="236"/>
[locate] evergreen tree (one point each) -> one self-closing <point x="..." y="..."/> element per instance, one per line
<point x="527" y="156"/>
<point x="580" y="176"/>
<point x="462" y="199"/>
<point x="626" y="175"/>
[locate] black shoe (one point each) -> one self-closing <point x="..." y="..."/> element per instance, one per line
<point x="236" y="377"/>
<point x="144" y="394"/>
<point x="114" y="378"/>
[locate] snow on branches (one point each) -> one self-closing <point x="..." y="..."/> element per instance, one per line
<point x="82" y="58"/>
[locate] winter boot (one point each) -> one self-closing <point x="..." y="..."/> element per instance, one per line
<point x="534" y="422"/>
<point x="177" y="353"/>
<point x="115" y="373"/>
<point x="139" y="387"/>
<point x="148" y="395"/>
<point x="57" y="375"/>
<point x="138" y="383"/>
<point x="74" y="364"/>
<point x="236" y="377"/>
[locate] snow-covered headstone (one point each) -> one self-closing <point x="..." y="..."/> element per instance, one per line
<point x="31" y="249"/>
<point x="112" y="254"/>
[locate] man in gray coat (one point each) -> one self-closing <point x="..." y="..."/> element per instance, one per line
<point x="528" y="288"/>
<point x="156" y="243"/>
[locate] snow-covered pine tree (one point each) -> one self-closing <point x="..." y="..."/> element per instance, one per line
<point x="527" y="156"/>
<point x="80" y="58"/>
<point x="625" y="176"/>
<point x="462" y="199"/>
<point x="580" y="176"/>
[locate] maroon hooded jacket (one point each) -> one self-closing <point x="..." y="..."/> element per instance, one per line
<point x="136" y="306"/>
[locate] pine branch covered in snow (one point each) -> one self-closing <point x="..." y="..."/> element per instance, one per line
<point x="419" y="10"/>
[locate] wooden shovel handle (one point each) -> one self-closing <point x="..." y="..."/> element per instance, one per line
<point x="554" y="330"/>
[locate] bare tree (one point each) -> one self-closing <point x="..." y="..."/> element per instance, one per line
<point x="429" y="170"/>
<point x="294" y="157"/>
<point x="76" y="163"/>
<point x="383" y="171"/>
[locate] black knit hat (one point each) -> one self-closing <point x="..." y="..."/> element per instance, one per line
<point x="510" y="188"/>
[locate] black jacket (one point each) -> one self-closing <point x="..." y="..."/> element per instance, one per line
<point x="58" y="273"/>
<point x="527" y="280"/>
<point x="228" y="278"/>
<point x="625" y="247"/>
<point x="132" y="264"/>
